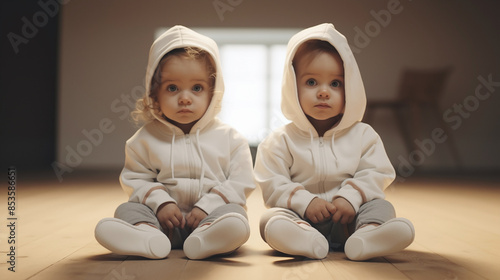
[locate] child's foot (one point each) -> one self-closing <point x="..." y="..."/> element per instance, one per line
<point x="376" y="241"/>
<point x="123" y="238"/>
<point x="298" y="239"/>
<point x="224" y="235"/>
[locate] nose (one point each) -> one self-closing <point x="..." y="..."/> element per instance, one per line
<point x="184" y="98"/>
<point x="323" y="93"/>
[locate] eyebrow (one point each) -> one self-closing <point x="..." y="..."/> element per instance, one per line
<point x="193" y="80"/>
<point x="312" y="74"/>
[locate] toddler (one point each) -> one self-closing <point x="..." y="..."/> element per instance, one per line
<point x="187" y="174"/>
<point x="324" y="173"/>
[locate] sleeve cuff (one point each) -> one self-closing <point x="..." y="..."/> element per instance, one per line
<point x="209" y="202"/>
<point x="351" y="195"/>
<point x="300" y="201"/>
<point x="157" y="198"/>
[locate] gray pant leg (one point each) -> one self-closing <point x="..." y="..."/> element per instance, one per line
<point x="376" y="211"/>
<point x="133" y="212"/>
<point x="222" y="210"/>
<point x="276" y="211"/>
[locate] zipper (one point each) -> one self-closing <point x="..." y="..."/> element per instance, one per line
<point x="190" y="157"/>
<point x="193" y="191"/>
<point x="322" y="167"/>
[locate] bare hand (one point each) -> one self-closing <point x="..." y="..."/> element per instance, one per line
<point x="194" y="218"/>
<point x="319" y="210"/>
<point x="170" y="216"/>
<point x="345" y="212"/>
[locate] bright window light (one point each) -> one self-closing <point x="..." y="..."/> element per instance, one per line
<point x="244" y="105"/>
<point x="252" y="65"/>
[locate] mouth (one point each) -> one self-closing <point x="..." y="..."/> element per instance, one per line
<point x="184" y="111"/>
<point x="322" y="106"/>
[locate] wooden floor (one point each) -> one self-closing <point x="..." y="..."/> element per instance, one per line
<point x="457" y="226"/>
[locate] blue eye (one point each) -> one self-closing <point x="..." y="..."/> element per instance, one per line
<point x="172" y="88"/>
<point x="197" y="88"/>
<point x="336" y="83"/>
<point x="311" y="82"/>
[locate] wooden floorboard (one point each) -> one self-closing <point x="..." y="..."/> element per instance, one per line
<point x="457" y="226"/>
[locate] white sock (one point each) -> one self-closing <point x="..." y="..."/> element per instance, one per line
<point x="224" y="235"/>
<point x="298" y="239"/>
<point x="123" y="238"/>
<point x="376" y="241"/>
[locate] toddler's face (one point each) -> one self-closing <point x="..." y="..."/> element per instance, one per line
<point x="320" y="85"/>
<point x="184" y="94"/>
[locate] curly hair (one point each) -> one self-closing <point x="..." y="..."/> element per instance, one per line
<point x="143" y="112"/>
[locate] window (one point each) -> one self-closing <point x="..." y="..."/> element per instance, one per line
<point x="252" y="65"/>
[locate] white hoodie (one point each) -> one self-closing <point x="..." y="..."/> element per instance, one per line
<point x="294" y="165"/>
<point x="209" y="167"/>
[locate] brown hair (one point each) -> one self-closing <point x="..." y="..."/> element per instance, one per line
<point x="142" y="112"/>
<point x="314" y="46"/>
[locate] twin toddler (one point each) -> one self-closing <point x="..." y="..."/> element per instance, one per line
<point x="188" y="174"/>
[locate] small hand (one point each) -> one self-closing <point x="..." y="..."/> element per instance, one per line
<point x="194" y="217"/>
<point x="319" y="210"/>
<point x="170" y="216"/>
<point x="345" y="212"/>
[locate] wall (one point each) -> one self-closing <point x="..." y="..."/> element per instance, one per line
<point x="28" y="86"/>
<point x="104" y="47"/>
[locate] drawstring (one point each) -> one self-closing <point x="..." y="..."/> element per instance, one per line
<point x="202" y="175"/>
<point x="333" y="147"/>
<point x="311" y="134"/>
<point x="172" y="153"/>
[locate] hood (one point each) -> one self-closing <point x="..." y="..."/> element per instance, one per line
<point x="179" y="37"/>
<point x="355" y="98"/>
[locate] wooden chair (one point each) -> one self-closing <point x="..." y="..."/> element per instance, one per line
<point x="419" y="92"/>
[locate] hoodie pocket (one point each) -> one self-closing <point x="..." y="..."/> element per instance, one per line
<point x="184" y="191"/>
